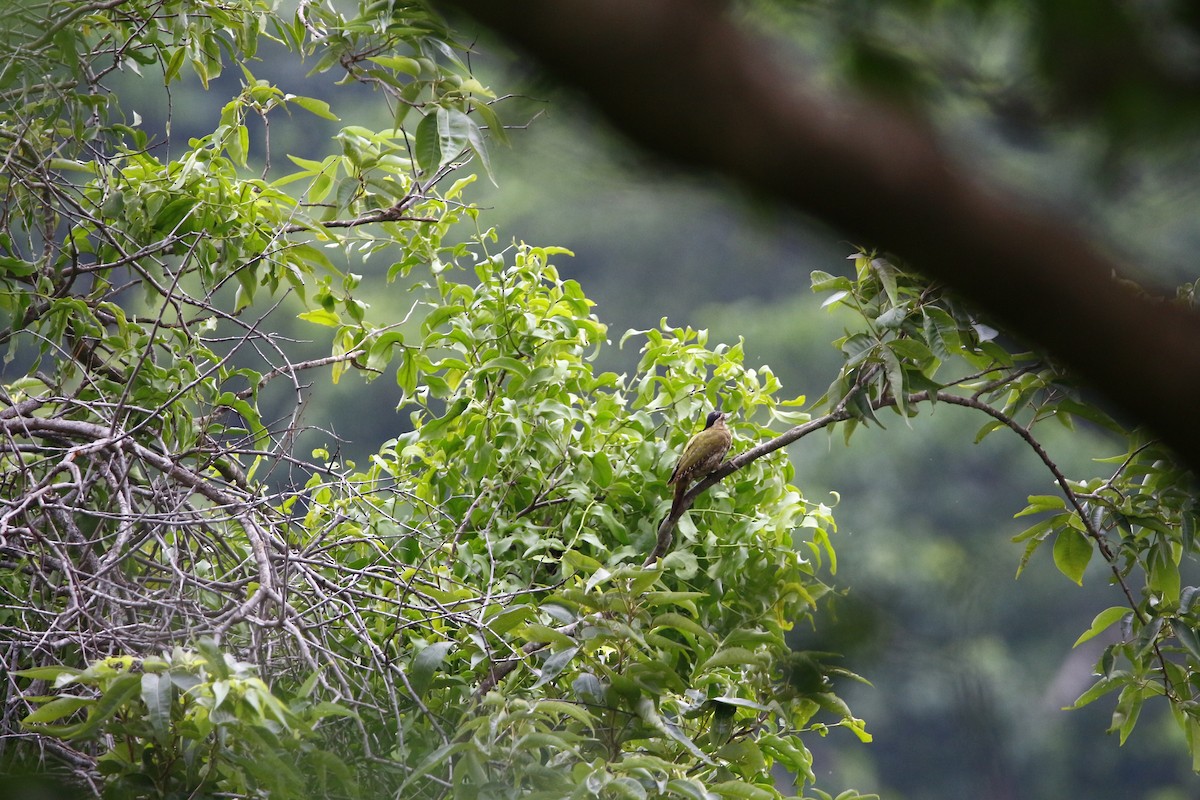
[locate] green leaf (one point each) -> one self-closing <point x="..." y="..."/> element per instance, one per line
<point x="1187" y="598"/>
<point x="172" y="214"/>
<point x="50" y="673"/>
<point x="454" y="133"/>
<point x="1099" y="689"/>
<point x="790" y="752"/>
<point x="729" y="657"/>
<point x="824" y="282"/>
<point x="1148" y="636"/>
<point x="441" y="136"/>
<point x="1075" y="408"/>
<point x="432" y="762"/>
<point x="602" y="472"/>
<point x="1188" y="639"/>
<point x="309" y="166"/>
<point x="742" y="791"/>
<point x="895" y="378"/>
<point x="1038" y="531"/>
<point x="428" y="146"/>
<point x="891" y="319"/>
<point x="935" y="335"/>
<point x="507" y="363"/>
<point x="1102" y="622"/>
<point x="123" y="689"/>
<point x="313" y="106"/>
<point x="682" y="564"/>
<point x="433" y="429"/>
<point x="565" y="709"/>
<point x="555" y="664"/>
<point x="174" y="64"/>
<point x="158" y="695"/>
<point x="686" y="787"/>
<point x="1042" y="502"/>
<point x="491" y="120"/>
<point x="1072" y="552"/>
<point x="1129" y="707"/>
<point x="681" y="623"/>
<point x="544" y="634"/>
<point x="213" y="657"/>
<point x="426" y="664"/>
<point x="16" y="267"/>
<point x="834" y="298"/>
<point x="408" y="372"/>
<point x="988" y="427"/>
<point x="887" y="277"/>
<point x="1164" y="573"/>
<point x="506" y="619"/>
<point x="331" y="56"/>
<point x="1191" y="727"/>
<point x="380" y="352"/>
<point x="648" y="713"/>
<point x="912" y="350"/>
<point x="321" y="317"/>
<point x="237" y="145"/>
<point x="409" y="66"/>
<point x="746" y="754"/>
<point x="56" y="709"/>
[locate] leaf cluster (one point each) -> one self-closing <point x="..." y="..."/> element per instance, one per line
<point x="471" y="596"/>
<point x="917" y="346"/>
<point x="190" y="722"/>
<point x="530" y="475"/>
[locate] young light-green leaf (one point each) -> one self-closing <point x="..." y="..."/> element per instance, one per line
<point x="1102" y="622"/>
<point x="1072" y="552"/>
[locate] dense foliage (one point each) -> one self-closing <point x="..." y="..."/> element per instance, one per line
<point x="465" y="613"/>
<point x="195" y="607"/>
<point x="1140" y="519"/>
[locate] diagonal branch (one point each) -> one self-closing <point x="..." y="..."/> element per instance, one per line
<point x="839" y="414"/>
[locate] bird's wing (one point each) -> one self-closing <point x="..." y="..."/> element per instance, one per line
<point x="683" y="457"/>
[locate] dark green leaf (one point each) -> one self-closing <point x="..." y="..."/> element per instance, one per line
<point x="426" y="665"/>
<point x="428" y="146"/>
<point x="1188" y="639"/>
<point x="648" y="713"/>
<point x="554" y="664"/>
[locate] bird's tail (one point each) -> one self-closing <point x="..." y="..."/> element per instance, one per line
<point x="680" y="490"/>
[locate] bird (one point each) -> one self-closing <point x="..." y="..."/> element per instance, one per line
<point x="704" y="453"/>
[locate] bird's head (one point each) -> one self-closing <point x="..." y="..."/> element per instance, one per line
<point x="714" y="418"/>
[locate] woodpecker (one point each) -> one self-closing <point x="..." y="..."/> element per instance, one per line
<point x="704" y="453"/>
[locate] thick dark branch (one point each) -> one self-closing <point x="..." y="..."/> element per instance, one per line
<point x="681" y="79"/>
<point x="667" y="528"/>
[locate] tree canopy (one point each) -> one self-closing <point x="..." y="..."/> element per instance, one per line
<point x="498" y="601"/>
